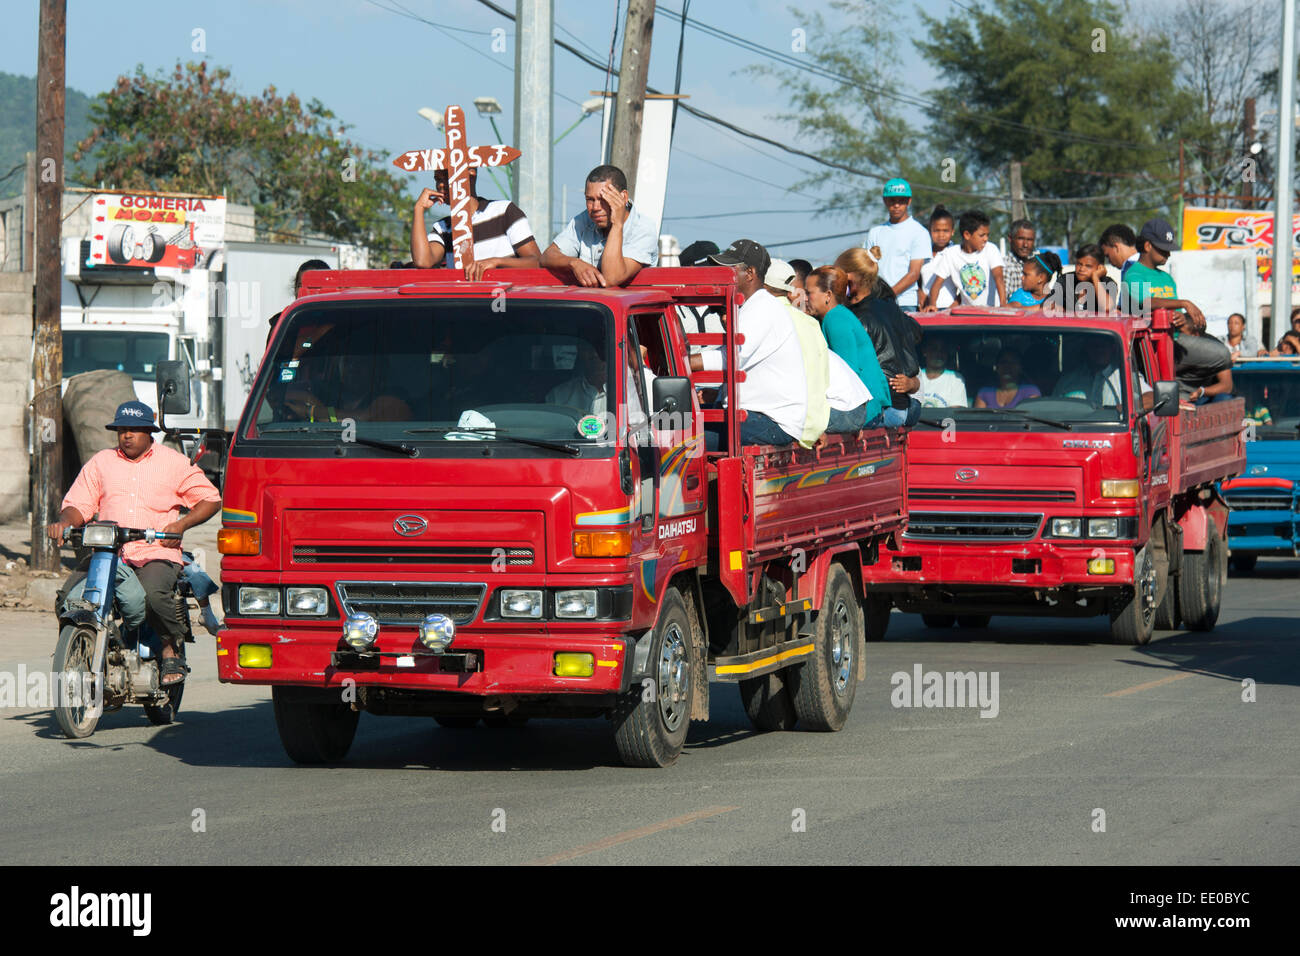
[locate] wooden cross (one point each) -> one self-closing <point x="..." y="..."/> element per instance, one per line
<point x="457" y="158"/>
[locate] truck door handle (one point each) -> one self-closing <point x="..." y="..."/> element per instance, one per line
<point x="692" y="482"/>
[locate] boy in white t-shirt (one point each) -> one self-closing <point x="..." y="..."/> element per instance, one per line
<point x="975" y="266"/>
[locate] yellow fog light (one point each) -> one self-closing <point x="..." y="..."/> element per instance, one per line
<point x="1101" y="566"/>
<point x="572" y="664"/>
<point x="1120" y="488"/>
<point x="254" y="655"/>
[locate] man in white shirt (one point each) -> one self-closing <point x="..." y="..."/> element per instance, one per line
<point x="610" y="242"/>
<point x="774" y="394"/>
<point x="903" y="242"/>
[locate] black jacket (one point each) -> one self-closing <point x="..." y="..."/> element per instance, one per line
<point x="895" y="334"/>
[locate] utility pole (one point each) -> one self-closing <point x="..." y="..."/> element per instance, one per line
<point x="534" y="77"/>
<point x="1248" y="127"/>
<point x="47" y="361"/>
<point x="633" y="72"/>
<point x="1282" y="251"/>
<point x="1017" y="194"/>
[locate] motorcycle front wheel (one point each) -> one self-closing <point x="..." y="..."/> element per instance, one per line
<point x="73" y="654"/>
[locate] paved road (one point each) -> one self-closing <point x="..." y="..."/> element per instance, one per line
<point x="1158" y="738"/>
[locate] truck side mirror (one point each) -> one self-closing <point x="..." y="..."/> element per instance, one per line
<point x="672" y="396"/>
<point x="1165" y="403"/>
<point x="173" y="381"/>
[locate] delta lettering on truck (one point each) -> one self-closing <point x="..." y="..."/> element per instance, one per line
<point x="476" y="501"/>
<point x="1082" y="487"/>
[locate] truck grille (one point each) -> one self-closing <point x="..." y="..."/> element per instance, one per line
<point x="988" y="494"/>
<point x="972" y="526"/>
<point x="1258" y="499"/>
<point x="386" y="554"/>
<point x="409" y="602"/>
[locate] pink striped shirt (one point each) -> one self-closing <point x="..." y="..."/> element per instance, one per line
<point x="145" y="493"/>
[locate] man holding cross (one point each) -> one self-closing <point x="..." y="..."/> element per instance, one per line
<point x="502" y="237"/>
<point x="610" y="242"/>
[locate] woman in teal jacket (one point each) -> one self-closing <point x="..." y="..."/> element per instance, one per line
<point x="826" y="287"/>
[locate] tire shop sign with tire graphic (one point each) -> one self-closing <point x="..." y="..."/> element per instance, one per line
<point x="156" y="230"/>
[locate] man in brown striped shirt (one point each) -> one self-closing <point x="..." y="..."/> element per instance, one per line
<point x="502" y="237"/>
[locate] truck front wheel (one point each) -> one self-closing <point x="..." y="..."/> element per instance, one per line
<point x="315" y="726"/>
<point x="1200" y="588"/>
<point x="1133" y="615"/>
<point x="651" y="721"/>
<point x="822" y="688"/>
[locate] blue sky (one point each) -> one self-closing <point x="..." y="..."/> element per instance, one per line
<point x="375" y="68"/>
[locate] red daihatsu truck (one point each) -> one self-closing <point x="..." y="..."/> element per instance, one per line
<point x="492" y="501"/>
<point x="1089" y="491"/>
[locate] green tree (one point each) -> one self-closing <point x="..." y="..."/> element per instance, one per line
<point x="1088" y="106"/>
<point x="291" y="162"/>
<point x="844" y="102"/>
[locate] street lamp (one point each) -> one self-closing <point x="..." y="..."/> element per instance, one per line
<point x="432" y="116"/>
<point x="589" y="107"/>
<point x="489" y="107"/>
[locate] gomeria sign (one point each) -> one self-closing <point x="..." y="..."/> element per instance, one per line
<point x="156" y="230"/>
<point x="1205" y="228"/>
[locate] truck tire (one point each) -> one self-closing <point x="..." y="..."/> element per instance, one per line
<point x="1133" y="615"/>
<point x="1167" y="614"/>
<point x="823" y="686"/>
<point x="940" y="621"/>
<point x="875" y="617"/>
<point x="315" y="726"/>
<point x="1244" y="563"/>
<point x="1200" y="587"/>
<point x="121" y="243"/>
<point x="973" y="620"/>
<point x="768" y="701"/>
<point x="650" y="729"/>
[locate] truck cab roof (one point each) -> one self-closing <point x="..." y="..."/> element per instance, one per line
<point x="1125" y="325"/>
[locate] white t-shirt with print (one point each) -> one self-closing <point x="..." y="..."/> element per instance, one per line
<point x="946" y="391"/>
<point x="971" y="273"/>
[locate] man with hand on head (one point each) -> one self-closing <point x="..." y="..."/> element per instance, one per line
<point x="611" y="241"/>
<point x="502" y="237"/>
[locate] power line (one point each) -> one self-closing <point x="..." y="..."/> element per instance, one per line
<point x="833" y="164"/>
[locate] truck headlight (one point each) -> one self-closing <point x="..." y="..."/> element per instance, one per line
<point x="437" y="631"/>
<point x="521" y="603"/>
<point x="576" y="604"/>
<point x="307" y="601"/>
<point x="1103" y="527"/>
<point x="1066" y="527"/>
<point x="254" y="600"/>
<point x="360" y="631"/>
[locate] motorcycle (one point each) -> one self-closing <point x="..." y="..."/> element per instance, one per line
<point x="100" y="663"/>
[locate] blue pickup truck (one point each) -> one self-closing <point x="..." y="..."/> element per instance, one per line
<point x="1264" y="503"/>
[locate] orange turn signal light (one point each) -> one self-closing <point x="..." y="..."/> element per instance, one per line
<point x="602" y="544"/>
<point x="239" y="541"/>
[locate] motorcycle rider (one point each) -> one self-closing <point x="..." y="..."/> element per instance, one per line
<point x="141" y="484"/>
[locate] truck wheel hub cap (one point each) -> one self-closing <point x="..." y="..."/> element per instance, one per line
<point x="841" y="647"/>
<point x="674" y="678"/>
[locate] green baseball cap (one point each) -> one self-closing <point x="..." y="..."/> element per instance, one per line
<point x="897" y="187"/>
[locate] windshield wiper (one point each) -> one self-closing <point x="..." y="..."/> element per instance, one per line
<point x="401" y="448"/>
<point x="1024" y="414"/>
<point x="493" y="432"/>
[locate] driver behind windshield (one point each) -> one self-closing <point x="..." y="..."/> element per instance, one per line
<point x="1099" y="380"/>
<point x="1011" y="390"/>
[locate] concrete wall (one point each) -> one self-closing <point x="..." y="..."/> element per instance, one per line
<point x="15" y="382"/>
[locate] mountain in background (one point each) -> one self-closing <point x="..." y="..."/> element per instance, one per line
<point x="18" y="126"/>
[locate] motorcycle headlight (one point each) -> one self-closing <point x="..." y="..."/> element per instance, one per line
<point x="576" y="604"/>
<point x="99" y="536"/>
<point x="521" y="603"/>
<point x="307" y="601"/>
<point x="253" y="600"/>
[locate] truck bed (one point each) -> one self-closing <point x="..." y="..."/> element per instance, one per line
<point x="1210" y="444"/>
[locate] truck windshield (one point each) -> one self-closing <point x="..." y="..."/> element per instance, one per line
<point x="441" y="373"/>
<point x="1044" y="377"/>
<point x="1272" y="400"/>
<point x="136" y="353"/>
